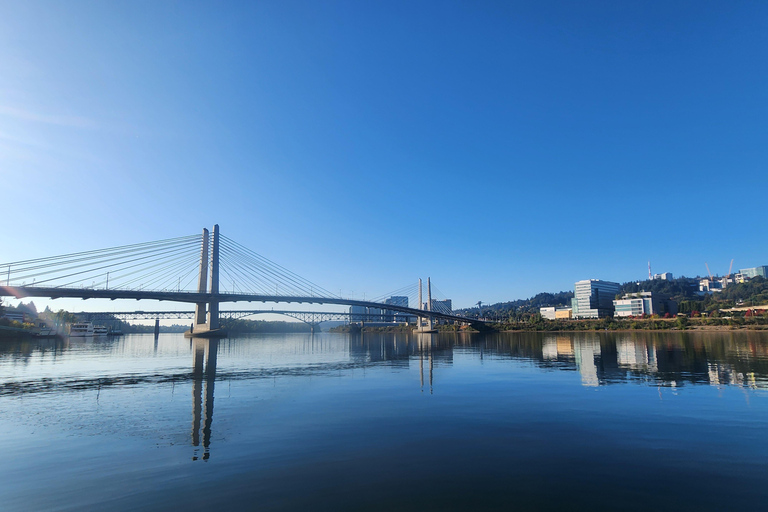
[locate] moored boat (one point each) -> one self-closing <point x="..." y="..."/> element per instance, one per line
<point x="80" y="329"/>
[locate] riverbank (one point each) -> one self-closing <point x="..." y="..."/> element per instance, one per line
<point x="642" y="324"/>
<point x="605" y="324"/>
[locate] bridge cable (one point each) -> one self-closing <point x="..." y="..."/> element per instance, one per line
<point x="116" y="258"/>
<point x="273" y="273"/>
<point x="287" y="274"/>
<point x="188" y="237"/>
<point x="282" y="279"/>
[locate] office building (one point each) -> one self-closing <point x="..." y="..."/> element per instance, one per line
<point x="593" y="298"/>
<point x="643" y="303"/>
<point x="761" y="271"/>
<point x="397" y="300"/>
<point x="442" y="306"/>
<point x="556" y="313"/>
<point x="395" y="316"/>
<point x="358" y="314"/>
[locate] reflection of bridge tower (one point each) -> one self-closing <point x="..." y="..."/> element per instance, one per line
<point x="207" y="323"/>
<point x="424" y="344"/>
<point x="204" y="350"/>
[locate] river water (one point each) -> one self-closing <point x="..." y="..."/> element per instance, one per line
<point x="580" y="421"/>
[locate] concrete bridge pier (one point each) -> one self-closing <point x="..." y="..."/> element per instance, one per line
<point x="206" y="323"/>
<point x="421" y="326"/>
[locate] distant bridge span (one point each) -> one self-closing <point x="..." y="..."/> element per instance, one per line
<point x="312" y="318"/>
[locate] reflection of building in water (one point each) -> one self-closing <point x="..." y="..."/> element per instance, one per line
<point x="635" y="354"/>
<point x="723" y="374"/>
<point x="565" y="346"/>
<point x="392" y="348"/>
<point x="549" y="349"/>
<point x="600" y="358"/>
<point x="671" y="358"/>
<point x="585" y="352"/>
<point x="554" y="347"/>
<point x="203" y="351"/>
<point x="396" y="348"/>
<point x="401" y="349"/>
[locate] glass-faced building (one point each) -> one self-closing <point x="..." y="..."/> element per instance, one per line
<point x="593" y="298"/>
<point x="761" y="271"/>
<point x="644" y="303"/>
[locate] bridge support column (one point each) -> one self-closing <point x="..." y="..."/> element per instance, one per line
<point x="207" y="321"/>
<point x="202" y="281"/>
<point x="420" y="325"/>
<point x="213" y="306"/>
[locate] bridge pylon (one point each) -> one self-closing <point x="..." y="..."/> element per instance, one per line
<point x="425" y="324"/>
<point x="206" y="322"/>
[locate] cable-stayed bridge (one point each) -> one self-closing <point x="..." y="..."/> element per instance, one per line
<point x="205" y="270"/>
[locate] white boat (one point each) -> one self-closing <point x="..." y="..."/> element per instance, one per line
<point x="100" y="330"/>
<point x="81" y="329"/>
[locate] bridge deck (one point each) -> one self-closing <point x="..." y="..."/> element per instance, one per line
<point x="198" y="298"/>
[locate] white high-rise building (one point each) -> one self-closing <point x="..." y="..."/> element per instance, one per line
<point x="593" y="298"/>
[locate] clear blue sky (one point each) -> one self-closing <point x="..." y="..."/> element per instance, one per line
<point x="502" y="148"/>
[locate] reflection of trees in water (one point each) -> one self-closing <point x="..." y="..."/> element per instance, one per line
<point x="739" y="358"/>
<point x="600" y="358"/>
<point x="21" y="351"/>
<point x="666" y="358"/>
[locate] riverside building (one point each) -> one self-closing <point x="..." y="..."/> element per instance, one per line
<point x="593" y="298"/>
<point x="555" y="313"/>
<point x="644" y="303"/>
<point x="749" y="273"/>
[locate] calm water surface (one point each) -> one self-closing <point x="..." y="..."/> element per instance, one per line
<point x="638" y="421"/>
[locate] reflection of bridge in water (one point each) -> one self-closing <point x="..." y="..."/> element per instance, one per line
<point x="204" y="354"/>
<point x="663" y="359"/>
<point x="667" y="360"/>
